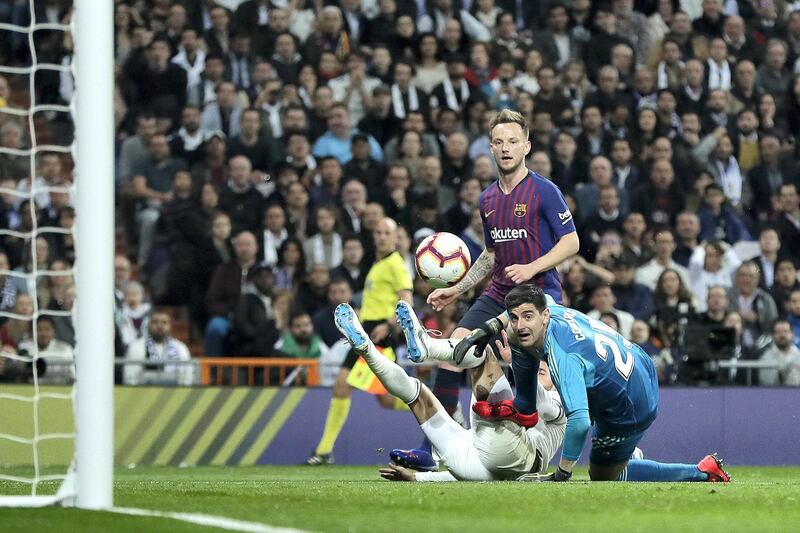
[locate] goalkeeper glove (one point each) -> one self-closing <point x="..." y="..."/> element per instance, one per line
<point x="559" y="475"/>
<point x="479" y="338"/>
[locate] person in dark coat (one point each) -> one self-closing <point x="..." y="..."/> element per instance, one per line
<point x="339" y="292"/>
<point x="254" y="330"/>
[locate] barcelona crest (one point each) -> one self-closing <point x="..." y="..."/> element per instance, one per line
<point x="520" y="209"/>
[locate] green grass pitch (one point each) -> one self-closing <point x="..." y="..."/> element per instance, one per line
<point x="338" y="498"/>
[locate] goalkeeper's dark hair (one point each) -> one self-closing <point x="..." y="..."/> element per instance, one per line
<point x="525" y="294"/>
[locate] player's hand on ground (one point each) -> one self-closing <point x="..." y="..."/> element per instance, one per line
<point x="558" y="475"/>
<point x="503" y="348"/>
<point x="521" y="273"/>
<point x="441" y="298"/>
<point x="394" y="472"/>
<point x="380" y="332"/>
<point x="478" y="338"/>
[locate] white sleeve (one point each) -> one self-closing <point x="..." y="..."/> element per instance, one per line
<point x="474" y="28"/>
<point x="549" y="406"/>
<point x="434" y="477"/>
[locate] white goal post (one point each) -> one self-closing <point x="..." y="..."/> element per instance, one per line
<point x="93" y="32"/>
<point x="89" y="482"/>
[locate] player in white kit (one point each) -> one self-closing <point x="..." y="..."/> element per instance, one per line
<point x="491" y="449"/>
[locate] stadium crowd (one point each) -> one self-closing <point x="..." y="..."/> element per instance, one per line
<point x="259" y="142"/>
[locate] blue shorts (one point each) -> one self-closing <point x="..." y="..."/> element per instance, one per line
<point x="613" y="446"/>
<point x="482" y="310"/>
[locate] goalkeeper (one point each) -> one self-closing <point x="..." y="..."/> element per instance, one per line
<point x="600" y="377"/>
<point x="493" y="449"/>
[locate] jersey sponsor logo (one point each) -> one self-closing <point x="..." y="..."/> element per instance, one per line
<point x="520" y="210"/>
<point x="489" y="213"/>
<point x="565" y="217"/>
<point x="508" y="234"/>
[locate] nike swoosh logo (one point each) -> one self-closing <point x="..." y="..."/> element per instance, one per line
<point x="490" y="212"/>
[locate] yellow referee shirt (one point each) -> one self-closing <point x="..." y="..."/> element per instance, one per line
<point x="385" y="279"/>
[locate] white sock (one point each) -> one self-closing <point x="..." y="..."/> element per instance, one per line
<point x="393" y="377"/>
<point x="442" y="350"/>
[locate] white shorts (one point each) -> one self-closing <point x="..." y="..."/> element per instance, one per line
<point x="492" y="450"/>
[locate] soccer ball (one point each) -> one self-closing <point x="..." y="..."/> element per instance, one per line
<point x="442" y="260"/>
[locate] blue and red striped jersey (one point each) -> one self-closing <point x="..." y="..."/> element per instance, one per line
<point x="522" y="226"/>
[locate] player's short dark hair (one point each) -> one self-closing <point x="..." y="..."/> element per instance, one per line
<point x="507" y="116"/>
<point x="525" y="294"/>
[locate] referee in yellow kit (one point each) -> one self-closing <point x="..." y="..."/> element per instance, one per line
<point x="387" y="282"/>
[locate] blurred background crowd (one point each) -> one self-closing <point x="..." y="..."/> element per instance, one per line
<point x="259" y="142"/>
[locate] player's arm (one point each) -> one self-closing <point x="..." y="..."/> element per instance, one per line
<point x="481" y="268"/>
<point x="572" y="387"/>
<point x="566" y="247"/>
<point x="394" y="472"/>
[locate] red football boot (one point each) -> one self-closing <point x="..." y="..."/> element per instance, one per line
<point x="505" y="410"/>
<point x="483" y="409"/>
<point x="712" y="465"/>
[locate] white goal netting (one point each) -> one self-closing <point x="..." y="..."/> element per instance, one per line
<point x="36" y="252"/>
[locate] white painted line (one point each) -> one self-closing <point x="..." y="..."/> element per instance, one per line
<point x="28" y="501"/>
<point x="207" y="520"/>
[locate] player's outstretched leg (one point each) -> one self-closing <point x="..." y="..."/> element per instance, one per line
<point x="714" y="467"/>
<point x="392" y="376"/>
<point x="422" y="346"/>
<point x="708" y="469"/>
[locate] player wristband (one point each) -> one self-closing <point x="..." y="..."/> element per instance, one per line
<point x="493" y="326"/>
<point x="561" y="475"/>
